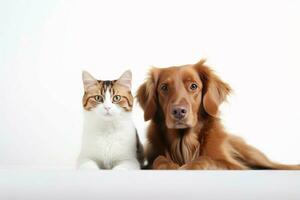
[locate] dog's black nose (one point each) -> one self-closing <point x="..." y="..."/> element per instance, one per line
<point x="179" y="112"/>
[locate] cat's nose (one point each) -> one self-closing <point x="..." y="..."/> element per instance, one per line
<point x="107" y="108"/>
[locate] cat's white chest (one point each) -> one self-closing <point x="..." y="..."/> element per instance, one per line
<point x="109" y="145"/>
<point x="113" y="147"/>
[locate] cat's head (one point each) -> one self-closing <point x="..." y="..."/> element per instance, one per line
<point x="107" y="99"/>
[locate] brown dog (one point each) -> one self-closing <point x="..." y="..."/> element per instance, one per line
<point x="185" y="131"/>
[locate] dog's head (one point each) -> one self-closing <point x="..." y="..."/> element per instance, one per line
<point x="181" y="93"/>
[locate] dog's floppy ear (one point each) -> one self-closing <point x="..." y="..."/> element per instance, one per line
<point x="146" y="94"/>
<point x="215" y="90"/>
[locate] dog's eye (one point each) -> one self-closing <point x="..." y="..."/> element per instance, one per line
<point x="116" y="98"/>
<point x="164" y="87"/>
<point x="193" y="86"/>
<point x="98" y="98"/>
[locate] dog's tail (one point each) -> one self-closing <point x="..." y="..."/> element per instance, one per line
<point x="253" y="158"/>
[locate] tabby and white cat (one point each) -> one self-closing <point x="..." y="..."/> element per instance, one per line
<point x="110" y="139"/>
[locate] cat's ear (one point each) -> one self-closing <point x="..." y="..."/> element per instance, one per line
<point x="88" y="80"/>
<point x="125" y="79"/>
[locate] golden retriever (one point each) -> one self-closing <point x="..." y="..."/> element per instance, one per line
<point x="185" y="132"/>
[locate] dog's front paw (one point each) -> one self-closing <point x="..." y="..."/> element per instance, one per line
<point x="205" y="164"/>
<point x="161" y="162"/>
<point x="196" y="166"/>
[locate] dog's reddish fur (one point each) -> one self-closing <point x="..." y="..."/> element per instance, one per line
<point x="198" y="141"/>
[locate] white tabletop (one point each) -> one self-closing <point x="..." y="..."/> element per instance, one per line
<point x="70" y="184"/>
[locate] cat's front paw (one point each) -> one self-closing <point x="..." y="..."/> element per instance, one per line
<point x="127" y="165"/>
<point x="88" y="165"/>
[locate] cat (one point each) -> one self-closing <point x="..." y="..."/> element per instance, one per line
<point x="110" y="139"/>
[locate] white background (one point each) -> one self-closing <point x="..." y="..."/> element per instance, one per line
<point x="44" y="46"/>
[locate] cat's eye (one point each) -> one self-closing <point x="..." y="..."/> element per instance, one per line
<point x="116" y="98"/>
<point x="98" y="98"/>
<point x="193" y="86"/>
<point x="164" y="87"/>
